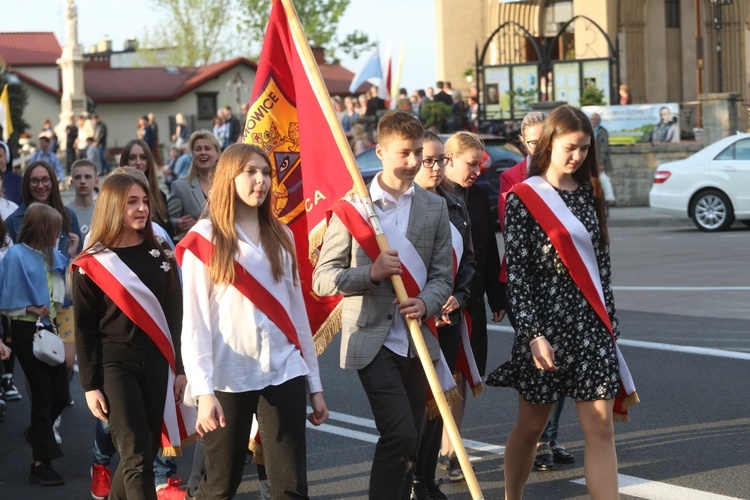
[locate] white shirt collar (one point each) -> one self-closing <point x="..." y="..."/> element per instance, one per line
<point x="378" y="193"/>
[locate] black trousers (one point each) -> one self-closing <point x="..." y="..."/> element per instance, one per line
<point x="396" y="387"/>
<point x="478" y="313"/>
<point x="49" y="391"/>
<point x="135" y="394"/>
<point x="432" y="429"/>
<point x="281" y="412"/>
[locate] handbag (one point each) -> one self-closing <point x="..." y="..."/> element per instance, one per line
<point x="48" y="347"/>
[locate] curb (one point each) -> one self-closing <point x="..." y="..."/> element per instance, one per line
<point x="650" y="222"/>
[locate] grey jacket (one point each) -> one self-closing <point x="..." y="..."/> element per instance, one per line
<point x="344" y="269"/>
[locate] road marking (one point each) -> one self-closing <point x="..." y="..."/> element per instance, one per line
<point x="682" y="288"/>
<point x="685" y="349"/>
<point x="653" y="490"/>
<point x="628" y="485"/>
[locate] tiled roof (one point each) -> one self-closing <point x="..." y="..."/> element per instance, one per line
<point x="29" y="48"/>
<point x="338" y="79"/>
<point x="151" y="84"/>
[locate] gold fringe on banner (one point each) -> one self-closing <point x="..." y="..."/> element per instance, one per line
<point x="315" y="240"/>
<point x="330" y="327"/>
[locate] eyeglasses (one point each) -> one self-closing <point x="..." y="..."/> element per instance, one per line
<point x="44" y="181"/>
<point x="441" y="161"/>
<point x="531" y="144"/>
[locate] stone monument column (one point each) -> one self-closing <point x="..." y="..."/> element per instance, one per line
<point x="73" y="99"/>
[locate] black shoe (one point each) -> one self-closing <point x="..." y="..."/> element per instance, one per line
<point x="2" y="410"/>
<point x="45" y="475"/>
<point x="560" y="454"/>
<point x="544" y="460"/>
<point x="433" y="489"/>
<point x="427" y="490"/>
<point x="10" y="392"/>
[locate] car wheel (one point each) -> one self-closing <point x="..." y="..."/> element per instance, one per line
<point x="712" y="211"/>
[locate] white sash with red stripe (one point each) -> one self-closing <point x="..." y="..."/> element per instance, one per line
<point x="414" y="276"/>
<point x="573" y="244"/>
<point x="255" y="281"/>
<point x="140" y="305"/>
<point x="465" y="362"/>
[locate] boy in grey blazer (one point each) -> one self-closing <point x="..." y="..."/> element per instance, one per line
<point x="375" y="339"/>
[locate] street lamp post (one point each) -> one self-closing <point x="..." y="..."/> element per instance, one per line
<point x="718" y="4"/>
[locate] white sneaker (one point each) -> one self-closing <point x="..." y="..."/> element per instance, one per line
<point x="56" y="430"/>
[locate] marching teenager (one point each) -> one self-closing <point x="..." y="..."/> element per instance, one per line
<point x="466" y="152"/>
<point x="549" y="451"/>
<point x="451" y="320"/>
<point x="32" y="287"/>
<point x="246" y="337"/>
<point x="375" y="338"/>
<point x="128" y="313"/>
<point x="560" y="294"/>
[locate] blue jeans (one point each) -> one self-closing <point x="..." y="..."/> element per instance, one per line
<point x="103" y="159"/>
<point x="550" y="432"/>
<point x="104" y="449"/>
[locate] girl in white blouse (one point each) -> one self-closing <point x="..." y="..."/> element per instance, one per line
<point x="246" y="339"/>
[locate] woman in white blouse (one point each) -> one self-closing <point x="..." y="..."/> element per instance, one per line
<point x="246" y="339"/>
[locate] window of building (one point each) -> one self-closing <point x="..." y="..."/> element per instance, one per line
<point x="672" y="13"/>
<point x="207" y="105"/>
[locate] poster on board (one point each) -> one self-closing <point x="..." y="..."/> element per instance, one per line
<point x="497" y="93"/>
<point x="638" y="123"/>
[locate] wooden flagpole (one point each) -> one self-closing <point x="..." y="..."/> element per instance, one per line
<point x="324" y="101"/>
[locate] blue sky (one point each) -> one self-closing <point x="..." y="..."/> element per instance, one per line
<point x="412" y="21"/>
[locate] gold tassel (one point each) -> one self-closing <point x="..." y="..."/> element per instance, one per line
<point x="257" y="448"/>
<point x="330" y="327"/>
<point x="176" y="451"/>
<point x="171" y="451"/>
<point x="477" y="389"/>
<point x="630" y="400"/>
<point x="452" y="396"/>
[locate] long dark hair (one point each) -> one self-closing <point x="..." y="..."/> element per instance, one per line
<point x="158" y="208"/>
<point x="55" y="200"/>
<point x="565" y="120"/>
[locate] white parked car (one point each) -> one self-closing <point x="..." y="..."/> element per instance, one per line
<point x="712" y="187"/>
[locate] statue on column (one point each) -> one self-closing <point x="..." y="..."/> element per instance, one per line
<point x="71" y="25"/>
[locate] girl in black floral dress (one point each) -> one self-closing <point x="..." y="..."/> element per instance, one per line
<point x="564" y="345"/>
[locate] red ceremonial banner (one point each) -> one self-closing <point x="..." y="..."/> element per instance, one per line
<point x="309" y="173"/>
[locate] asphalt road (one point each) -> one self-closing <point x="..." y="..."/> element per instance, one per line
<point x="683" y="300"/>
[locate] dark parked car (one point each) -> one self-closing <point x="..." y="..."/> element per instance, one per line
<point x="503" y="155"/>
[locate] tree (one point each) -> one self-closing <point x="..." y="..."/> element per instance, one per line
<point x="592" y="96"/>
<point x="195" y="30"/>
<point x="319" y="18"/>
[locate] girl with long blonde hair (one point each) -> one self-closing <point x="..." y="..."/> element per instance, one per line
<point x="246" y="336"/>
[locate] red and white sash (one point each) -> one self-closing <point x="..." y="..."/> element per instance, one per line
<point x="465" y="362"/>
<point x="414" y="275"/>
<point x="140" y="305"/>
<point x="573" y="244"/>
<point x="256" y="282"/>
